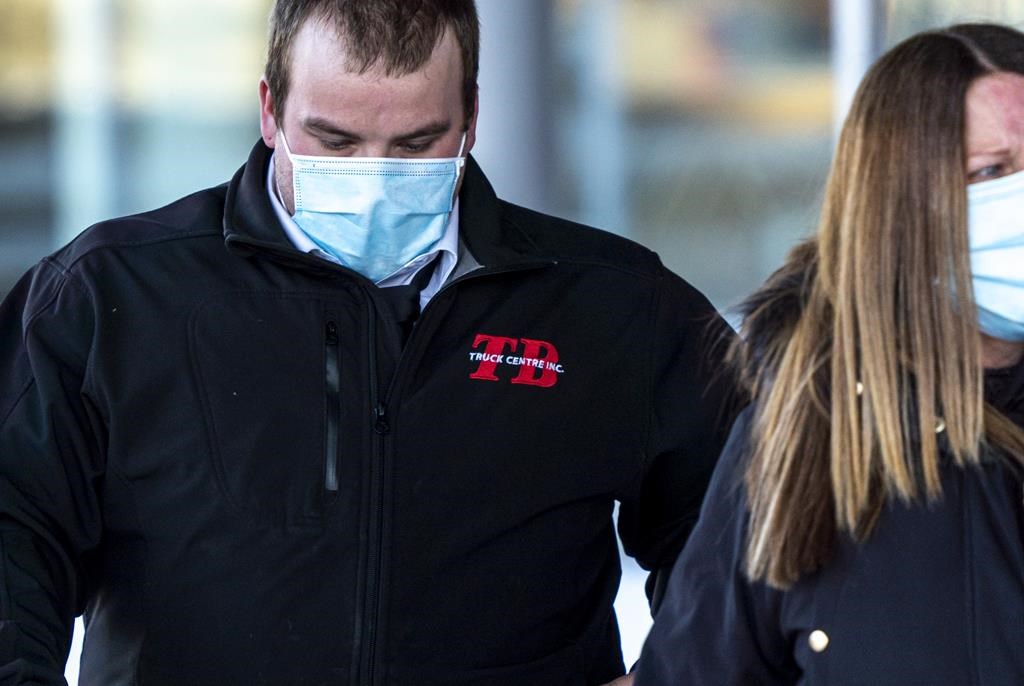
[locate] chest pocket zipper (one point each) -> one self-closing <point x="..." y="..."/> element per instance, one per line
<point x="332" y="418"/>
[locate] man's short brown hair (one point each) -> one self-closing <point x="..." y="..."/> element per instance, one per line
<point x="396" y="35"/>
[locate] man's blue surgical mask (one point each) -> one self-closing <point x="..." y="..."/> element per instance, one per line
<point x="995" y="226"/>
<point x="374" y="214"/>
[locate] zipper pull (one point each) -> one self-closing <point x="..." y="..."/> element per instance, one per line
<point x="380" y="423"/>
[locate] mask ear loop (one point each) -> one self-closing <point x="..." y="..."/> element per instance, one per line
<point x="460" y="164"/>
<point x="276" y="186"/>
<point x="287" y="149"/>
<point x="291" y="158"/>
<point x="462" y="147"/>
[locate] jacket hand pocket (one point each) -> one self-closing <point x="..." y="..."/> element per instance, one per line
<point x="268" y="380"/>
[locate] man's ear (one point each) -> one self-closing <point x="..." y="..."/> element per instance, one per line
<point x="268" y="118"/>
<point x="471" y="123"/>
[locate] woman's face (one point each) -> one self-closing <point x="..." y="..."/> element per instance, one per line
<point x="994" y="140"/>
<point x="995" y="126"/>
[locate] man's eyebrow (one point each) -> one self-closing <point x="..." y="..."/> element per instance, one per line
<point x="319" y="125"/>
<point x="431" y="129"/>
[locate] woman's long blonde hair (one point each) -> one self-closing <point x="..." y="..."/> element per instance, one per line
<point x="882" y="363"/>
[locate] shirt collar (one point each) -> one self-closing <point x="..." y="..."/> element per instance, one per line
<point x="446" y="251"/>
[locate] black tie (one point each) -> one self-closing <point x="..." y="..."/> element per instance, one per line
<point x="404" y="301"/>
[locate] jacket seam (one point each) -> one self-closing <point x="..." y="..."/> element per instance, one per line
<point x="518" y="227"/>
<point x="594" y="262"/>
<point x="969" y="582"/>
<point x="647" y="431"/>
<point x="646" y="400"/>
<point x="5" y="595"/>
<point x="27" y="328"/>
<point x="114" y="245"/>
<point x="210" y="429"/>
<point x="46" y="304"/>
<point x="53" y="262"/>
<point x="143" y="585"/>
<point x="29" y="324"/>
<point x="66" y="279"/>
<point x="17" y="401"/>
<point x="646" y="275"/>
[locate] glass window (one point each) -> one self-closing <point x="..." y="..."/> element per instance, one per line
<point x="26" y="129"/>
<point x="117" y="106"/>
<point x="721" y="112"/>
<point x="902" y="18"/>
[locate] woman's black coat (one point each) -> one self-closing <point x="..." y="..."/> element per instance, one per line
<point x="934" y="596"/>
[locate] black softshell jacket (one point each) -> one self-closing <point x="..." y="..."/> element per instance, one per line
<point x="218" y="450"/>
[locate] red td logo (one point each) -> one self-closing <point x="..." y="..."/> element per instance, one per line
<point x="537" y="361"/>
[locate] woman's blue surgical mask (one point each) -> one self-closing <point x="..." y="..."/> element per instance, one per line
<point x="374" y="214"/>
<point x="995" y="227"/>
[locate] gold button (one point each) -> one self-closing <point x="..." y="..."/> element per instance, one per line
<point x="818" y="640"/>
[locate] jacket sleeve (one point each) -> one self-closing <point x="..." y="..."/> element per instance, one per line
<point x="715" y="627"/>
<point x="693" y="400"/>
<point x="49" y="469"/>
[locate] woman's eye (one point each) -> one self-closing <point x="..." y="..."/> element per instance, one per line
<point x="987" y="173"/>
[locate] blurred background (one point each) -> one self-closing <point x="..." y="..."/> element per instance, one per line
<point x="701" y="128"/>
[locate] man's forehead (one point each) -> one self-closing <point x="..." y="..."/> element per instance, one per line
<point x="320" y="38"/>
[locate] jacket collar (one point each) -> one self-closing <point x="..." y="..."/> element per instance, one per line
<point x="250" y="224"/>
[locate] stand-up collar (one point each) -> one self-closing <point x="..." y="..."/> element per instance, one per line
<point x="248" y="216"/>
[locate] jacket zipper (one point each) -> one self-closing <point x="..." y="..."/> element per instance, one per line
<point x="375" y="557"/>
<point x="381" y="428"/>
<point x="333" y="376"/>
<point x="375" y="533"/>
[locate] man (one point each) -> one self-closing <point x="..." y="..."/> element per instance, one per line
<point x="347" y="420"/>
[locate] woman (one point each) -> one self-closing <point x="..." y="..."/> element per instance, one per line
<point x="866" y="524"/>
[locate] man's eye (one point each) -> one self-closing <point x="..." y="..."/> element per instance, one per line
<point x="335" y="145"/>
<point x="414" y="146"/>
<point x="987" y="173"/>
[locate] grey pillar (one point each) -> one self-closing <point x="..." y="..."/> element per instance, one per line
<point x="856" y="39"/>
<point x="514" y="130"/>
<point x="598" y="134"/>
<point x="85" y="143"/>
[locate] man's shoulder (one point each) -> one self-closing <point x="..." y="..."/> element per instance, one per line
<point x="195" y="216"/>
<point x="562" y="239"/>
